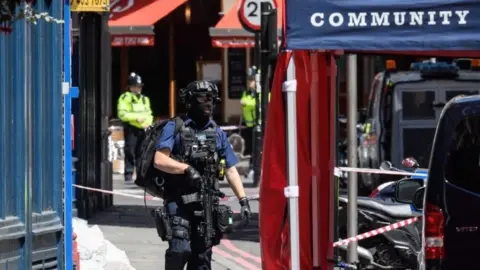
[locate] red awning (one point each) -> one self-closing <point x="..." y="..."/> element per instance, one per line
<point x="229" y="32"/>
<point x="131" y="21"/>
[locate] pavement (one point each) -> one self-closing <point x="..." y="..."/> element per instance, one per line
<point x="128" y="225"/>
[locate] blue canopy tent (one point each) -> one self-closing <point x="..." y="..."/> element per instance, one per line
<point x="395" y="25"/>
<point x="315" y="30"/>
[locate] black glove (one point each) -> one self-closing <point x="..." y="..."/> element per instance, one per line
<point x="193" y="176"/>
<point x="245" y="211"/>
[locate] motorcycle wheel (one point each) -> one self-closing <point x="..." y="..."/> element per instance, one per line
<point x="384" y="253"/>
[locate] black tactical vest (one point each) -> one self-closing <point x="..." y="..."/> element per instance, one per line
<point x="199" y="150"/>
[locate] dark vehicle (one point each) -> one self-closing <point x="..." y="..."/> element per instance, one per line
<point x="403" y="112"/>
<point x="396" y="249"/>
<point x="452" y="194"/>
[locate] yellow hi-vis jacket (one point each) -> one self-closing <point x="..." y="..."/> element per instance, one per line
<point x="130" y="107"/>
<point x="248" y="108"/>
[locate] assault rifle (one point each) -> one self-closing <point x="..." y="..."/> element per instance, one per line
<point x="210" y="194"/>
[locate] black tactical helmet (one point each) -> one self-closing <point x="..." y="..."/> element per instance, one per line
<point x="134" y="80"/>
<point x="196" y="88"/>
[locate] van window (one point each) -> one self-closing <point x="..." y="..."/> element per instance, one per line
<point x="463" y="160"/>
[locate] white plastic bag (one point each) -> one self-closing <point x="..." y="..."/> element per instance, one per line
<point x="95" y="251"/>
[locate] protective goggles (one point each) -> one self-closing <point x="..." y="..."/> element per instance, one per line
<point x="202" y="98"/>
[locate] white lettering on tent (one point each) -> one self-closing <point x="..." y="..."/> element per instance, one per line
<point x="445" y="15"/>
<point x="431" y="17"/>
<point x="399" y="18"/>
<point x="462" y="15"/>
<point x="335" y="19"/>
<point x="385" y="19"/>
<point x="380" y="19"/>
<point x="416" y="18"/>
<point x="317" y="19"/>
<point x="357" y="19"/>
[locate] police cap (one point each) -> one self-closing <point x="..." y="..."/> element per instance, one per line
<point x="252" y="71"/>
<point x="134" y="80"/>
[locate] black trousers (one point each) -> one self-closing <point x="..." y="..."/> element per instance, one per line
<point x="192" y="252"/>
<point x="247" y="134"/>
<point x="133" y="144"/>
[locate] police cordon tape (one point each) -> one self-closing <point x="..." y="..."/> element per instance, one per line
<point x="148" y="197"/>
<point x="337" y="172"/>
<point x="375" y="232"/>
<point x="230" y="128"/>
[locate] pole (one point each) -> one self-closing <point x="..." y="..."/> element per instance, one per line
<point x="67" y="141"/>
<point x="352" y="156"/>
<point x="265" y="10"/>
<point x="291" y="192"/>
<point x="256" y="157"/>
<point x="28" y="158"/>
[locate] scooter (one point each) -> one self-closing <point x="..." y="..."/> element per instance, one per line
<point x="397" y="248"/>
<point x="386" y="191"/>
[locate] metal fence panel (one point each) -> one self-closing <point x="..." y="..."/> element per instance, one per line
<point x="30" y="92"/>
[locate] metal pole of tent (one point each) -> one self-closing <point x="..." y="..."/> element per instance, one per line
<point x="352" y="156"/>
<point x="291" y="191"/>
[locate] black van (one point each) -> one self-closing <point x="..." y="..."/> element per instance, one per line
<point x="451" y="235"/>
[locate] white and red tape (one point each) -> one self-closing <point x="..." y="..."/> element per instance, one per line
<point x="375" y="232"/>
<point x="151" y="198"/>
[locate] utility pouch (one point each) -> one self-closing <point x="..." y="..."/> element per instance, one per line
<point x="162" y="223"/>
<point x="224" y="218"/>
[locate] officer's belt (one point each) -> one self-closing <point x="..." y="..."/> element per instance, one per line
<point x="191" y="198"/>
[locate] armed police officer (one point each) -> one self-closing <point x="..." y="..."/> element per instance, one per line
<point x="133" y="108"/>
<point x="193" y="220"/>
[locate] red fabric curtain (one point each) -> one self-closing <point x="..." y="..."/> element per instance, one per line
<point x="274" y="228"/>
<point x="322" y="139"/>
<point x="272" y="201"/>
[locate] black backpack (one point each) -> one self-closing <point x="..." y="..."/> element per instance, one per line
<point x="148" y="177"/>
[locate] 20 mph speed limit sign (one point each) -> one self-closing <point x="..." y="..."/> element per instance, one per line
<point x="249" y="13"/>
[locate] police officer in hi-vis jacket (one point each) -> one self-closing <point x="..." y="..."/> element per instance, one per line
<point x="133" y="108"/>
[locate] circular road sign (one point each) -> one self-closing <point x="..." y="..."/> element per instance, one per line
<point x="249" y="13"/>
